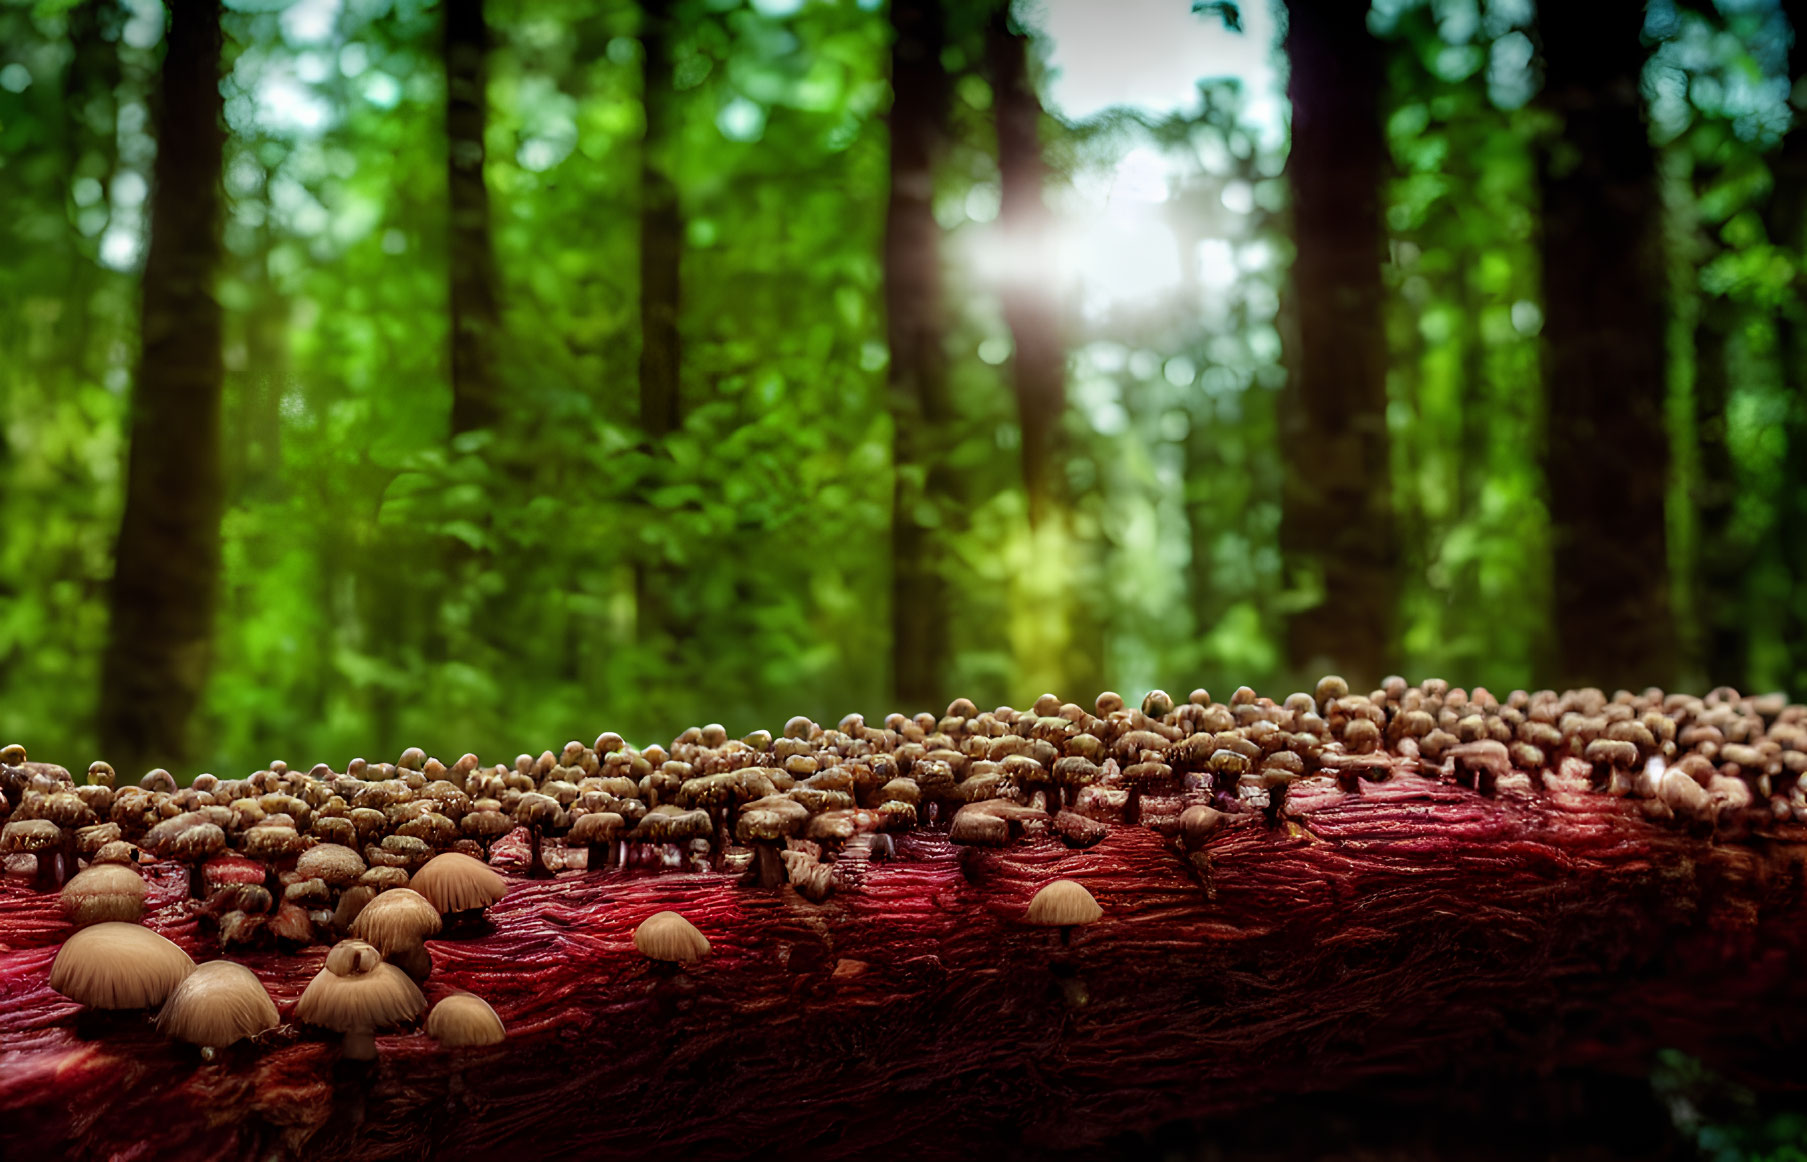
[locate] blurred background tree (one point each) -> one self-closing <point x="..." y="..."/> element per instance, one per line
<point x="485" y="373"/>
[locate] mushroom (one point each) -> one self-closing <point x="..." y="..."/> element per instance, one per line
<point x="1063" y="904"/>
<point x="113" y="965"/>
<point x="337" y="865"/>
<point x="105" y="891"/>
<point x="188" y="838"/>
<point x="764" y="824"/>
<point x="397" y="922"/>
<point x="217" y="1004"/>
<point x="356" y="994"/>
<point x="458" y="883"/>
<point x="464" y="1020"/>
<point x="668" y="937"/>
<point x="597" y="831"/>
<point x="36" y="837"/>
<point x="539" y="813"/>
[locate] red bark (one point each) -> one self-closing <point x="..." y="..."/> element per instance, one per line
<point x="1388" y="937"/>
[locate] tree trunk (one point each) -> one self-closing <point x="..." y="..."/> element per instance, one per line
<point x="1337" y="511"/>
<point x="476" y="319"/>
<point x="661" y="256"/>
<point x="1030" y="307"/>
<point x="166" y="564"/>
<point x="1606" y="449"/>
<point x="1788" y="229"/>
<point x="917" y="374"/>
<point x="1722" y="558"/>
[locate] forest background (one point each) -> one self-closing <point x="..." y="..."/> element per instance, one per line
<point x="479" y="375"/>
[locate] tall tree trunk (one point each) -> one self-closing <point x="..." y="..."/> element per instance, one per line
<point x="1788" y="229"/>
<point x="476" y="319"/>
<point x="917" y="374"/>
<point x="1721" y="559"/>
<point x="661" y="257"/>
<point x="1030" y="308"/>
<point x="661" y="233"/>
<point x="1606" y="448"/>
<point x="166" y="564"/>
<point x="1337" y="513"/>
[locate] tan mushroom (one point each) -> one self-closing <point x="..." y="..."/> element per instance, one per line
<point x="218" y="1004"/>
<point x="356" y="994"/>
<point x="114" y="965"/>
<point x="397" y="922"/>
<point x="667" y="936"/>
<point x="1063" y="904"/>
<point x="458" y="883"/>
<point x="105" y="891"/>
<point x="464" y="1020"/>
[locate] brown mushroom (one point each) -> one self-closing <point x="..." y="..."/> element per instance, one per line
<point x="216" y="1005"/>
<point x="104" y="892"/>
<point x="397" y="923"/>
<point x="599" y="832"/>
<point x="764" y="824"/>
<point x="1063" y="904"/>
<point x="457" y="883"/>
<point x="356" y="994"/>
<point x="114" y="965"/>
<point x="668" y="937"/>
<point x="465" y="1020"/>
<point x="35" y="837"/>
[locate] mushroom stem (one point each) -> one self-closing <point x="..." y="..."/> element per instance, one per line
<point x="1132" y="810"/>
<point x="197" y="882"/>
<point x="360" y="1045"/>
<point x="536" y="867"/>
<point x="47" y="879"/>
<point x="596" y="855"/>
<point x="769" y="864"/>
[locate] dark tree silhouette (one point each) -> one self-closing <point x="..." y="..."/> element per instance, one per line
<point x="1788" y="229"/>
<point x="1606" y="451"/>
<point x="1038" y="366"/>
<point x="476" y="400"/>
<point x="1722" y="558"/>
<point x="661" y="232"/>
<point x="1337" y="525"/>
<point x="917" y="374"/>
<point x="167" y="560"/>
<point x="661" y="258"/>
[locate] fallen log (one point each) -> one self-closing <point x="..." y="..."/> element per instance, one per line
<point x="1400" y="931"/>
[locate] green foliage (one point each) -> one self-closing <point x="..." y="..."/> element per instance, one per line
<point x="385" y="586"/>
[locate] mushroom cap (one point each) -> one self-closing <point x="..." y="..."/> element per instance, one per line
<point x="30" y="836"/>
<point x="597" y="827"/>
<point x="118" y="966"/>
<point x="399" y="918"/>
<point x="220" y="1002"/>
<point x="454" y="882"/>
<point x="1063" y="904"/>
<point x="104" y="891"/>
<point x="352" y="957"/>
<point x="361" y="1000"/>
<point x="335" y="863"/>
<point x="668" y="936"/>
<point x="464" y="1019"/>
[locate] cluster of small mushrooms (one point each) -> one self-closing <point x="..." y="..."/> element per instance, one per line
<point x="377" y="857"/>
